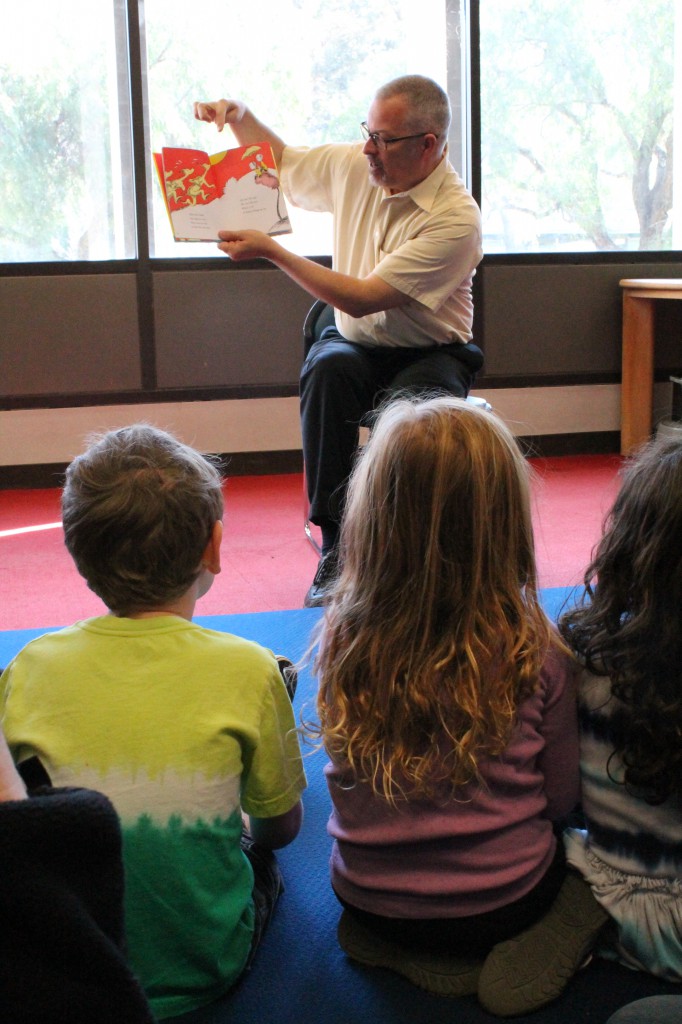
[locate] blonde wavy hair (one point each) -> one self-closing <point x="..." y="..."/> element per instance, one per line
<point x="434" y="633"/>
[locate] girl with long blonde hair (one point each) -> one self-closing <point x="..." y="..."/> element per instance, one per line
<point x="447" y="707"/>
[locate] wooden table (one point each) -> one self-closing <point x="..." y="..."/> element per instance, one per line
<point x="637" y="387"/>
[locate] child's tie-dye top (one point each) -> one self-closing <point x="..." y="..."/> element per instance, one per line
<point x="630" y="850"/>
<point x="181" y="727"/>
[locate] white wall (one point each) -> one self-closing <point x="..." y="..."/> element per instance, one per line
<point x="35" y="436"/>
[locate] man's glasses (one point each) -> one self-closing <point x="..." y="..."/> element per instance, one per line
<point x="380" y="142"/>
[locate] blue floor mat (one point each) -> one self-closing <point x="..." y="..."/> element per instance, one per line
<point x="300" y="973"/>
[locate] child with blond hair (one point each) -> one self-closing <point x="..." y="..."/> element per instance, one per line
<point x="447" y="708"/>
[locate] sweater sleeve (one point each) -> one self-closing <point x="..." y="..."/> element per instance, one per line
<point x="559" y="760"/>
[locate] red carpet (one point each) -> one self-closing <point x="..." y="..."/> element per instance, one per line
<point x="267" y="561"/>
<point x="571" y="496"/>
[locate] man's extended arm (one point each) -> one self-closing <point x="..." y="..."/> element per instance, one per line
<point x="245" y="126"/>
<point x="356" y="296"/>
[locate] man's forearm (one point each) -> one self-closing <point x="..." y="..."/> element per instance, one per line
<point x="355" y="296"/>
<point x="249" y="129"/>
<point x="337" y="289"/>
<point x="245" y="126"/>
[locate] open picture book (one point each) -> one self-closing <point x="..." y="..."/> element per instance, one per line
<point x="229" y="191"/>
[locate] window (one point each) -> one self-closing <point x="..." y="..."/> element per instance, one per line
<point x="65" y="159"/>
<point x="578" y="104"/>
<point x="307" y="67"/>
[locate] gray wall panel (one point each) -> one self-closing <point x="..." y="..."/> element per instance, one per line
<point x="63" y="334"/>
<point x="218" y="329"/>
<point x="559" y="319"/>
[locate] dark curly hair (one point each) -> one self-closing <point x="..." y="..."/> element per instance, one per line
<point x="628" y="624"/>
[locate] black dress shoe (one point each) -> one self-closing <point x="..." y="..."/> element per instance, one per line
<point x="327" y="571"/>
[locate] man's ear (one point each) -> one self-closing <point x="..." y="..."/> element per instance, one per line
<point x="430" y="142"/>
<point x="211" y="556"/>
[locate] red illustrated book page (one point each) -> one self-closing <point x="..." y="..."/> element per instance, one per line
<point x="234" y="190"/>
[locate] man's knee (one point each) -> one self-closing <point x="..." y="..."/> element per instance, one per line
<point x="332" y="364"/>
<point x="441" y="375"/>
<point x="330" y="354"/>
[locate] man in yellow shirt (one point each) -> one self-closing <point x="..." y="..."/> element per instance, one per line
<point x="407" y="240"/>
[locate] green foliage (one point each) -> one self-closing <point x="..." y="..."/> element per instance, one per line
<point x="354" y="42"/>
<point x="308" y="67"/>
<point x="42" y="166"/>
<point x="576" y="113"/>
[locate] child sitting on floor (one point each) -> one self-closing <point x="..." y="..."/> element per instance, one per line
<point x="628" y="633"/>
<point x="181" y="727"/>
<point x="447" y="707"/>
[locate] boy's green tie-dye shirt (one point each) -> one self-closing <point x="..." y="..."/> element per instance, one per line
<point x="182" y="727"/>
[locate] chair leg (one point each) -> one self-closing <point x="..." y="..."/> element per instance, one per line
<point x="307" y="525"/>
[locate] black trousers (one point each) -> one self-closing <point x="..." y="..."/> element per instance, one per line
<point x="342" y="383"/>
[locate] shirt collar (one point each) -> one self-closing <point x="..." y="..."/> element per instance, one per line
<point x="424" y="193"/>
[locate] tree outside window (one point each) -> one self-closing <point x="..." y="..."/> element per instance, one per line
<point x="307" y="67"/>
<point x="577" y="121"/>
<point x="65" y="158"/>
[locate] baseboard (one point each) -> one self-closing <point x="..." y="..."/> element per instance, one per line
<point x="262" y="463"/>
<point x="265" y="434"/>
<point x="51" y="474"/>
<point x="605" y="442"/>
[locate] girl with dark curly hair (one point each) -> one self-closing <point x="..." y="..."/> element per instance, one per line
<point x="627" y="630"/>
